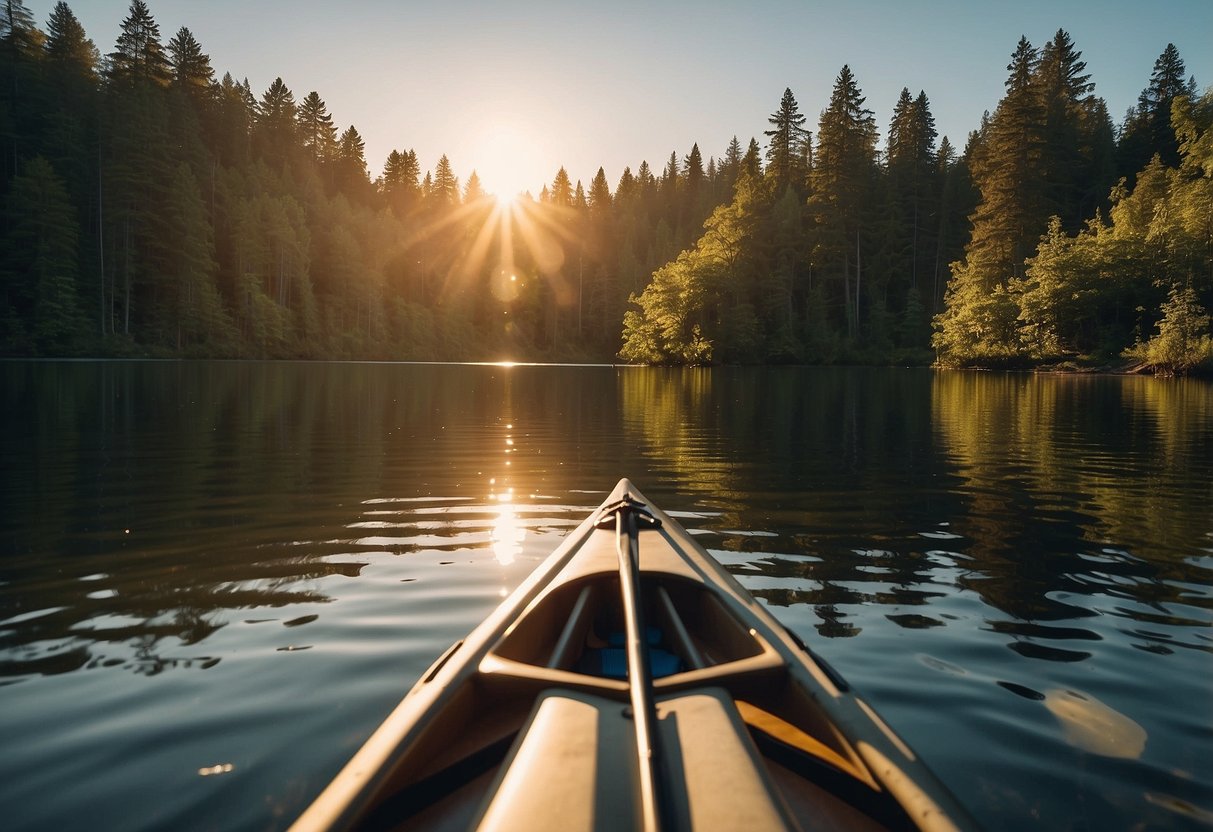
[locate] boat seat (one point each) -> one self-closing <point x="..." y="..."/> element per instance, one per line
<point x="612" y="661"/>
<point x="574" y="767"/>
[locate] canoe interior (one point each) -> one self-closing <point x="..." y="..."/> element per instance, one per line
<point x="527" y="723"/>
<point x="816" y="776"/>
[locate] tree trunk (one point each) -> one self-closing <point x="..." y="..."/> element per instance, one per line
<point x="126" y="277"/>
<point x="858" y="276"/>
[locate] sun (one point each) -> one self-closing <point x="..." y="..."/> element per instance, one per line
<point x="508" y="160"/>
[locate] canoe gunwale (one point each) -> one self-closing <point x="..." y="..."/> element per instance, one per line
<point x="863" y="752"/>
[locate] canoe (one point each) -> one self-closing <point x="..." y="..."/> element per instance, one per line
<point x="631" y="683"/>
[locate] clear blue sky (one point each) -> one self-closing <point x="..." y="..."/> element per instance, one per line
<point x="516" y="90"/>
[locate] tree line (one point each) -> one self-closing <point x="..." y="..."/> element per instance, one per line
<point x="1052" y="236"/>
<point x="154" y="208"/>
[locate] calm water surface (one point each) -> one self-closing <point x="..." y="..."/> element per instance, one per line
<point x="217" y="578"/>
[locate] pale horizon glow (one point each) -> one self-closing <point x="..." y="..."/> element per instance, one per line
<point x="504" y="153"/>
<point x="517" y="91"/>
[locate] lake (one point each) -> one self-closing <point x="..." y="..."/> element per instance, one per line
<point x="217" y="578"/>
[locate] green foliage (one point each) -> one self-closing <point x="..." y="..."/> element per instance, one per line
<point x="191" y="67"/>
<point x="67" y="46"/>
<point x="1148" y="129"/>
<point x="786" y="152"/>
<point x="138" y="56"/>
<point x="1184" y="341"/>
<point x="155" y="210"/>
<point x="38" y="282"/>
<point x="1043" y="151"/>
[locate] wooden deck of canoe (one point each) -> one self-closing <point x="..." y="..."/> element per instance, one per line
<point x="632" y="683"/>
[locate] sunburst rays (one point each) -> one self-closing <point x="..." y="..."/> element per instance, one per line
<point x="504" y="244"/>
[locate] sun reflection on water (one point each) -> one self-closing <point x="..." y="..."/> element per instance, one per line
<point x="508" y="533"/>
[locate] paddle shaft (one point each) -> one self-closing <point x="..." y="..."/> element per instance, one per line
<point x="640" y="683"/>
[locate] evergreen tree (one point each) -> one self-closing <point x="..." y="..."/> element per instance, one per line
<point x="842" y="181"/>
<point x="957" y="199"/>
<point x="352" y="176"/>
<point x="67" y="45"/>
<point x="445" y="187"/>
<point x="275" y="119"/>
<point x="195" y="313"/>
<point x="600" y="193"/>
<point x="400" y="181"/>
<point x="694" y="175"/>
<point x="68" y="117"/>
<point x="751" y="162"/>
<point x="473" y="192"/>
<point x="979" y="321"/>
<point x="561" y="193"/>
<point x="913" y="184"/>
<point x="138" y="55"/>
<point x="20" y="43"/>
<point x="17" y="29"/>
<point x="1065" y="89"/>
<point x="40" y="258"/>
<point x="232" y="120"/>
<point x="786" y="150"/>
<point x="730" y="166"/>
<point x="626" y="191"/>
<point x="191" y="67"/>
<point x="1184" y="341"/>
<point x="316" y="128"/>
<point x="1147" y="129"/>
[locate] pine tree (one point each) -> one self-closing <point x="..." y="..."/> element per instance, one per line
<point x="913" y="185"/>
<point x="40" y="258"/>
<point x="473" y="192"/>
<point x="561" y="193"/>
<point x="1065" y="89"/>
<point x="956" y="200"/>
<point x="316" y="128"/>
<point x="979" y="319"/>
<point x="1147" y="129"/>
<point x="400" y="181"/>
<point x="786" y="150"/>
<point x="20" y="43"/>
<point x="352" y="176"/>
<point x="626" y="191"/>
<point x="600" y="193"/>
<point x="275" y="117"/>
<point x="138" y="55"/>
<point x="751" y="162"/>
<point x="196" y="313"/>
<point x="1008" y="170"/>
<point x="67" y="45"/>
<point x="232" y="120"/>
<point x="694" y="176"/>
<point x="668" y="186"/>
<point x="730" y="167"/>
<point x="445" y="187"/>
<point x="1183" y="342"/>
<point x="68" y="135"/>
<point x="842" y="180"/>
<point x="191" y="67"/>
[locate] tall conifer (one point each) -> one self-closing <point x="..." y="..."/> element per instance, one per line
<point x="138" y="54"/>
<point x="788" y="140"/>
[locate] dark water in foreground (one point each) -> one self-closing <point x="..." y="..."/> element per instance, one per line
<point x="216" y="579"/>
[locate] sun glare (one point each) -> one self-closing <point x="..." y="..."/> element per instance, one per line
<point x="505" y="157"/>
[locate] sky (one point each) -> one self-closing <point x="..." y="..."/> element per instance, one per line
<point x="515" y="90"/>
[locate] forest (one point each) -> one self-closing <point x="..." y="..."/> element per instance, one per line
<point x="153" y="208"/>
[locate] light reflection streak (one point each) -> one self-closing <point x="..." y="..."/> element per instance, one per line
<point x="508" y="533"/>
